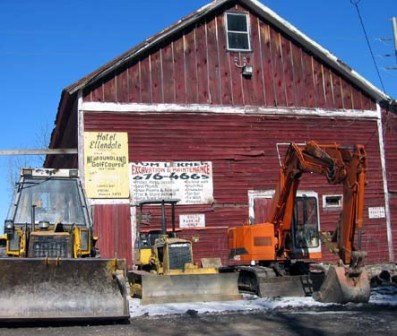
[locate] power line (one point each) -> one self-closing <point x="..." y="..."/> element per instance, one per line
<point x="355" y="4"/>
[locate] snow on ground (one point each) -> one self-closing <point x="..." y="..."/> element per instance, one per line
<point x="385" y="295"/>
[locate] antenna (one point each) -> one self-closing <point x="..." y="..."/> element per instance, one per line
<point x="394" y="22"/>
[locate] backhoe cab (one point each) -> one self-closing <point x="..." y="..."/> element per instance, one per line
<point x="49" y="217"/>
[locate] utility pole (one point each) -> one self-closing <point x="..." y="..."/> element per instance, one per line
<point x="394" y="19"/>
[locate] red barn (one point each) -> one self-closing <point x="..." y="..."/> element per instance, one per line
<point x="208" y="106"/>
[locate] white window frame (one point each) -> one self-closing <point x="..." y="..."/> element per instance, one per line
<point x="326" y="205"/>
<point x="247" y="33"/>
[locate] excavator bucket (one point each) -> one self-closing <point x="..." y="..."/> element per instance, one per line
<point x="153" y="288"/>
<point x="340" y="286"/>
<point x="62" y="289"/>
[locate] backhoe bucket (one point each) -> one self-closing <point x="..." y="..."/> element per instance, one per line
<point x="153" y="288"/>
<point x="340" y="286"/>
<point x="62" y="289"/>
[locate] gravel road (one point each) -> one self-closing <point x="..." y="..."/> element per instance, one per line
<point x="339" y="320"/>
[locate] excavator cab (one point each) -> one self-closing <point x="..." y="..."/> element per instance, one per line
<point x="306" y="227"/>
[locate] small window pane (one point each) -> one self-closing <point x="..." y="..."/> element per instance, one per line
<point x="332" y="201"/>
<point x="237" y="23"/>
<point x="238" y="41"/>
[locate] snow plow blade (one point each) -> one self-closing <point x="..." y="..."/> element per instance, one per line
<point x="153" y="288"/>
<point x="340" y="286"/>
<point x="36" y="289"/>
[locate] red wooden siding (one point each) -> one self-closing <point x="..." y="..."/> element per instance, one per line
<point x="112" y="226"/>
<point x="244" y="156"/>
<point x="195" y="67"/>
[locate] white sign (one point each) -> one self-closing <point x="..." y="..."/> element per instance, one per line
<point x="376" y="212"/>
<point x="188" y="181"/>
<point x="192" y="221"/>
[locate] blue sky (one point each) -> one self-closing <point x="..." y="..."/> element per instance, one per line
<point x="46" y="45"/>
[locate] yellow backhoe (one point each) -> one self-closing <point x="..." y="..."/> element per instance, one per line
<point x="49" y="265"/>
<point x="165" y="271"/>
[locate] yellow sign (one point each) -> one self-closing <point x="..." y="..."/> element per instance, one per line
<point x="106" y="164"/>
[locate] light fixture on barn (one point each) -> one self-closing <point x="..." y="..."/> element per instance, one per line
<point x="246" y="69"/>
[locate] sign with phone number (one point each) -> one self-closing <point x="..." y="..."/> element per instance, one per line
<point x="189" y="181"/>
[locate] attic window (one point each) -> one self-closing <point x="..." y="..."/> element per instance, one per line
<point x="237" y="32"/>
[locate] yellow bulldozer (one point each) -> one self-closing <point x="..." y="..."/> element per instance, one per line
<point x="50" y="268"/>
<point x="165" y="269"/>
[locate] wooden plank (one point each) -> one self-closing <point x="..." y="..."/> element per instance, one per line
<point x="109" y="89"/>
<point x="96" y="94"/>
<point x="214" y="74"/>
<point x="179" y="68"/>
<point x="328" y="90"/>
<point x="123" y="90"/>
<point x="202" y="64"/>
<point x="308" y="80"/>
<point x="134" y="84"/>
<point x="156" y="77"/>
<point x="337" y="88"/>
<point x="297" y="72"/>
<point x="253" y="86"/>
<point x="268" y="75"/>
<point x="368" y="103"/>
<point x="168" y="80"/>
<point x="189" y="46"/>
<point x="287" y="71"/>
<point x="259" y="80"/>
<point x="278" y="73"/>
<point x="235" y="60"/>
<point x="346" y="95"/>
<point x="356" y="99"/>
<point x="145" y="80"/>
<point x="319" y="92"/>
<point x="224" y="66"/>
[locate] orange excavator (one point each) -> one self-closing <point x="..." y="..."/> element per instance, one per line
<point x="280" y="255"/>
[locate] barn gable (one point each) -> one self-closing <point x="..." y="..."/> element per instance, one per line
<point x="188" y="63"/>
<point x="184" y="94"/>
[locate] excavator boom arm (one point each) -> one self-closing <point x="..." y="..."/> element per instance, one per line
<point x="340" y="165"/>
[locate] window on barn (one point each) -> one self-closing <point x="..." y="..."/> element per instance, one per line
<point x="237" y="32"/>
<point x="332" y="201"/>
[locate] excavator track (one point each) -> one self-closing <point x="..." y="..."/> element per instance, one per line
<point x="263" y="281"/>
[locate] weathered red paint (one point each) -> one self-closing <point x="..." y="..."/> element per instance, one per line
<point x="244" y="156"/>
